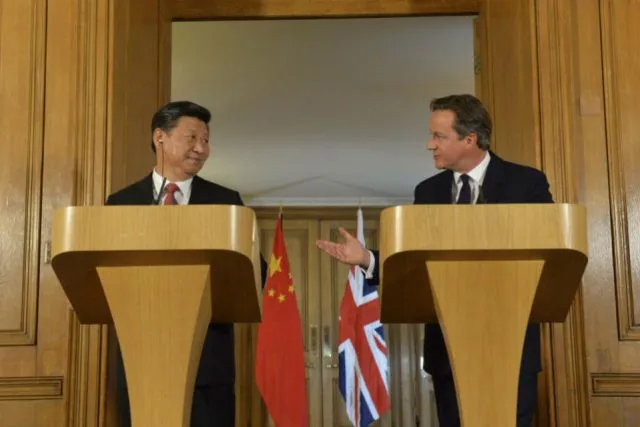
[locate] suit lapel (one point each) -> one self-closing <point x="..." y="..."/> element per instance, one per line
<point x="443" y="195"/>
<point x="494" y="180"/>
<point x="199" y="194"/>
<point x="144" y="190"/>
<point x="437" y="191"/>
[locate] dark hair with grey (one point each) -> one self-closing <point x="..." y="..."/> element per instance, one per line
<point x="471" y="116"/>
<point x="166" y="118"/>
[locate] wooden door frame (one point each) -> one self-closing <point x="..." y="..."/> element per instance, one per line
<point x="564" y="395"/>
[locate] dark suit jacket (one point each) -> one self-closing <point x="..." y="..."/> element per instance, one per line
<point x="217" y="363"/>
<point x="504" y="182"/>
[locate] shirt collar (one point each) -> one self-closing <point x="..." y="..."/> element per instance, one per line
<point x="184" y="186"/>
<point x="476" y="174"/>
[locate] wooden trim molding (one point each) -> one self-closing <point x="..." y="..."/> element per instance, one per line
<point x="206" y="9"/>
<point x="92" y="99"/>
<point x="564" y="356"/>
<point x="93" y="27"/>
<point x="86" y="374"/>
<point x="31" y="388"/>
<point x="615" y="384"/>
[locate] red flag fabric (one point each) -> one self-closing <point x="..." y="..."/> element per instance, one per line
<point x="280" y="370"/>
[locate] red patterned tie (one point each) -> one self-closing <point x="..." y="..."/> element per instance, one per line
<point x="170" y="198"/>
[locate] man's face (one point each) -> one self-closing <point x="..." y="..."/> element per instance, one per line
<point x="185" y="147"/>
<point x="445" y="144"/>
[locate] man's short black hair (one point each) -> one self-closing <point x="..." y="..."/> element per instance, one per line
<point x="166" y="118"/>
<point x="471" y="116"/>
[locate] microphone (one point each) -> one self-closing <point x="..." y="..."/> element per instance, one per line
<point x="156" y="201"/>
<point x="481" y="200"/>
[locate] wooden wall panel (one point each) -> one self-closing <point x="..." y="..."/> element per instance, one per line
<point x="44" y="92"/>
<point x="510" y="31"/>
<point x="75" y="147"/>
<point x="622" y="86"/>
<point x="22" y="51"/>
<point x="564" y="378"/>
<point x="32" y="355"/>
<point x="608" y="107"/>
<point x="136" y="81"/>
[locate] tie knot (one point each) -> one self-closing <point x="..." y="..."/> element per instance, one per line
<point x="465" y="178"/>
<point x="171" y="188"/>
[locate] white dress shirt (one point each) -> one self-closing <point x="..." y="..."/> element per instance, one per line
<point x="476" y="176"/>
<point x="182" y="196"/>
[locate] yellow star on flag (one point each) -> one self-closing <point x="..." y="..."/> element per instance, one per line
<point x="272" y="292"/>
<point x="281" y="298"/>
<point x="291" y="288"/>
<point x="274" y="265"/>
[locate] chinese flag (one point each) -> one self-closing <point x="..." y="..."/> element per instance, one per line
<point x="280" y="371"/>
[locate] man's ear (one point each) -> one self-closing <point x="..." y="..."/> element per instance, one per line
<point x="472" y="139"/>
<point x="158" y="138"/>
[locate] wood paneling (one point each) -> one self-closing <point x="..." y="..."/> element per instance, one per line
<point x="563" y="389"/>
<point x="75" y="147"/>
<point x="51" y="96"/>
<point x="621" y="86"/>
<point x="31" y="388"/>
<point x="616" y="385"/>
<point x="33" y="346"/>
<point x="85" y="77"/>
<point x="609" y="68"/>
<point x="135" y="81"/>
<point x="482" y="62"/>
<point x="511" y="44"/>
<point x="230" y="9"/>
<point x="22" y="39"/>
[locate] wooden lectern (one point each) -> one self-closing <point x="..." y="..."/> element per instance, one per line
<point x="490" y="269"/>
<point x="160" y="274"/>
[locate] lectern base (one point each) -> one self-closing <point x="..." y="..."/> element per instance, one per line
<point x="161" y="316"/>
<point x="483" y="309"/>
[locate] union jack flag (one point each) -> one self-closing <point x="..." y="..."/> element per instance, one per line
<point x="362" y="352"/>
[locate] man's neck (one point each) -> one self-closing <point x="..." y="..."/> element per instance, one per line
<point x="171" y="174"/>
<point x="472" y="162"/>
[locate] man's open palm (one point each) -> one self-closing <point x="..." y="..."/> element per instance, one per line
<point x="351" y="251"/>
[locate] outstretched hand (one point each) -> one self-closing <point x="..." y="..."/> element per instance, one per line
<point x="351" y="251"/>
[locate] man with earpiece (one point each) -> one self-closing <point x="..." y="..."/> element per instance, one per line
<point x="180" y="141"/>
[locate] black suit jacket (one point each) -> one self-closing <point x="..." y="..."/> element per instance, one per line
<point x="504" y="182"/>
<point x="217" y="365"/>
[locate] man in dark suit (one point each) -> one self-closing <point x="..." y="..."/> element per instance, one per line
<point x="460" y="134"/>
<point x="180" y="140"/>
